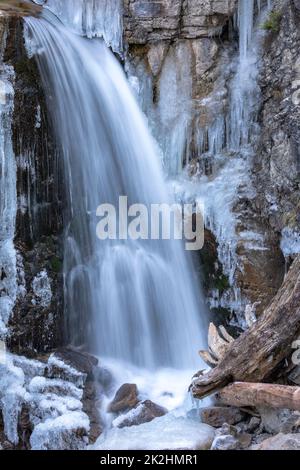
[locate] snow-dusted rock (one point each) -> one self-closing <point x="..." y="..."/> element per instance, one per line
<point x="66" y="432"/>
<point x="53" y="403"/>
<point x="145" y="412"/>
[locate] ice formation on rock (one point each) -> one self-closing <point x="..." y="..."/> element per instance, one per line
<point x="91" y="18"/>
<point x="52" y="392"/>
<point x="42" y="289"/>
<point x="8" y="282"/>
<point x="290" y="242"/>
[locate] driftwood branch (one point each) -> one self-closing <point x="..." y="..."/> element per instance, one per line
<point x="218" y="343"/>
<point x="243" y="394"/>
<point x="256" y="353"/>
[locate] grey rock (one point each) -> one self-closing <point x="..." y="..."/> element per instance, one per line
<point x="228" y="429"/>
<point x="226" y="442"/>
<point x="294" y="376"/>
<point x="276" y="421"/>
<point x="253" y="424"/>
<point x="280" y="442"/>
<point x="149" y="21"/>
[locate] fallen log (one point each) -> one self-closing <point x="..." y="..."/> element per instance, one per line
<point x="242" y="394"/>
<point x="258" y="352"/>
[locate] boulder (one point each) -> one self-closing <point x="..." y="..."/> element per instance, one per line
<point x="280" y="442"/>
<point x="81" y="361"/>
<point x="125" y="398"/>
<point x="230" y="438"/>
<point x="277" y="421"/>
<point x="216" y="416"/>
<point x="145" y="412"/>
<point x="225" y="443"/>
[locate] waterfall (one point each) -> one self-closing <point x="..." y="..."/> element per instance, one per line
<point x="132" y="300"/>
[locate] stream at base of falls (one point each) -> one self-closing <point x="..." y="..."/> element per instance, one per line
<point x="180" y="428"/>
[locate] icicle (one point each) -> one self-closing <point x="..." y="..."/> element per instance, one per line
<point x="92" y="18"/>
<point x="245" y="22"/>
<point x="8" y="196"/>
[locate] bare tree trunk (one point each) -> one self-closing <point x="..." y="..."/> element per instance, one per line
<point x="257" y="352"/>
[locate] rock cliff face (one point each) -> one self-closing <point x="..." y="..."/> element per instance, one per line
<point x="181" y="60"/>
<point x="35" y="324"/>
<point x="277" y="165"/>
<point x="152" y="21"/>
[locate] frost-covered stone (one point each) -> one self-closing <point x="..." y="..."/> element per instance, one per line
<point x="55" y="386"/>
<point x="12" y="394"/>
<point x="56" y="367"/>
<point x="54" y="405"/>
<point x="290" y="242"/>
<point x="66" y="432"/>
<point x="42" y="289"/>
<point x="30" y="367"/>
<point x="145" y="412"/>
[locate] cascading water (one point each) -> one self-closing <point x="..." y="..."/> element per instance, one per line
<point x="228" y="142"/>
<point x="133" y="300"/>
